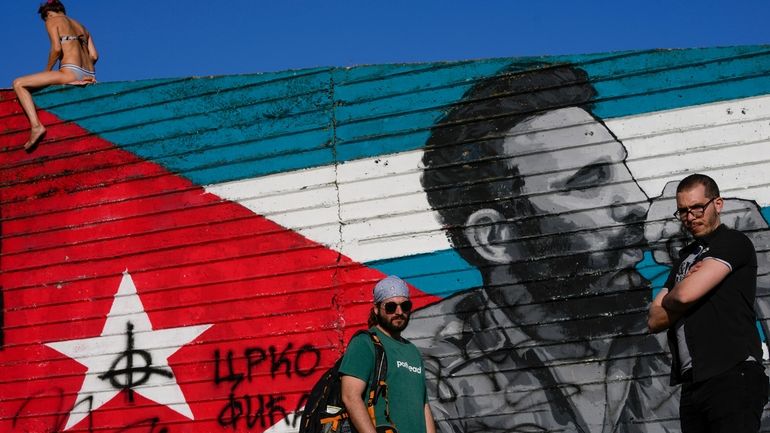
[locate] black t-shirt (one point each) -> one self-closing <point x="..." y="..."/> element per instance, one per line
<point x="720" y="329"/>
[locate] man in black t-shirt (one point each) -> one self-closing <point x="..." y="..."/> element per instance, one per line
<point x="707" y="306"/>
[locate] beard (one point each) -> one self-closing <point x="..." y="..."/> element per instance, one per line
<point x="389" y="325"/>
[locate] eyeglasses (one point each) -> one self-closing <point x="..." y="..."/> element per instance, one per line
<point x="696" y="211"/>
<point x="390" y="307"/>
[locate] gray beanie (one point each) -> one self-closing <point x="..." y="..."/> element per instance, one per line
<point x="389" y="287"/>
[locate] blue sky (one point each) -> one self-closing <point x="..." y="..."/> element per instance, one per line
<point x="153" y="39"/>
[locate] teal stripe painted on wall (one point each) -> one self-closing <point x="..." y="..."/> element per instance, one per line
<point x="233" y="106"/>
<point x="217" y="173"/>
<point x="191" y="124"/>
<point x="121" y="93"/>
<point x="677" y="87"/>
<point x="255" y="158"/>
<point x="613" y="65"/>
<point x="214" y="142"/>
<point x="440" y="273"/>
<point x="241" y="122"/>
<point x="62" y="98"/>
<point x="437" y="76"/>
<point x="382" y="145"/>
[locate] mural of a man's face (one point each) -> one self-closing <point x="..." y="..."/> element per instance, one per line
<point x="584" y="199"/>
<point x="586" y="225"/>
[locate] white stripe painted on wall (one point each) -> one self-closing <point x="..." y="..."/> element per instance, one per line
<point x="730" y="139"/>
<point x="383" y="211"/>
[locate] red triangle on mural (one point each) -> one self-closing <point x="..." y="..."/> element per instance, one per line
<point x="231" y="320"/>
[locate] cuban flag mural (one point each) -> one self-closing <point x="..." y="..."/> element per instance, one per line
<point x="191" y="254"/>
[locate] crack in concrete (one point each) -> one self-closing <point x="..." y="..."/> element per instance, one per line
<point x="339" y="321"/>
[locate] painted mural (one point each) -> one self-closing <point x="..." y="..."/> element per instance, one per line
<point x="191" y="254"/>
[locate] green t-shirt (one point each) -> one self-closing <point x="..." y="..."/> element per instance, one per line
<point x="405" y="379"/>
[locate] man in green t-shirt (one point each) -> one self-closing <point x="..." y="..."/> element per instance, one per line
<point x="406" y="398"/>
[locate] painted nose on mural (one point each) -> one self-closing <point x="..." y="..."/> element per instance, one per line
<point x="624" y="211"/>
<point x="632" y="216"/>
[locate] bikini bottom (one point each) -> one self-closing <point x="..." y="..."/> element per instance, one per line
<point x="80" y="73"/>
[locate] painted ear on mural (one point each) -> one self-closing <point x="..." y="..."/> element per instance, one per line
<point x="491" y="236"/>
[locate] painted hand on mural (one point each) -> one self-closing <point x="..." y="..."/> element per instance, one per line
<point x="666" y="235"/>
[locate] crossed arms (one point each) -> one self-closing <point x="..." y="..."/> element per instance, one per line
<point x="669" y="305"/>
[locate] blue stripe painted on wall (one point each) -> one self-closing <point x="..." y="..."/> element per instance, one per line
<point x="631" y="63"/>
<point x="218" y="97"/>
<point x="250" y="150"/>
<point x="239" y="170"/>
<point x="354" y="120"/>
<point x="124" y="95"/>
<point x="238" y="122"/>
<point x="222" y="144"/>
<point x="61" y="97"/>
<point x="249" y="106"/>
<point x="382" y="145"/>
<point x="441" y="273"/>
<point x="434" y="77"/>
<point x="716" y="87"/>
<point x="171" y="120"/>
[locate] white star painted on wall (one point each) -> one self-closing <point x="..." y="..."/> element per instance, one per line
<point x="128" y="355"/>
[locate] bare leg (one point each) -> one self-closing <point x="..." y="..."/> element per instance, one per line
<point x="37" y="130"/>
<point x="22" y="86"/>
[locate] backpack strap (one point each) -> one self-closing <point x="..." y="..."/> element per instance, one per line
<point x="378" y="386"/>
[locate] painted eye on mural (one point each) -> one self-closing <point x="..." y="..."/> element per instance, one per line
<point x="589" y="176"/>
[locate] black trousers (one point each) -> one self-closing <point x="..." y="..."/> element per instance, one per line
<point x="731" y="402"/>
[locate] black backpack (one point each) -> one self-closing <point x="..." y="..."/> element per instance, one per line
<point x="324" y="411"/>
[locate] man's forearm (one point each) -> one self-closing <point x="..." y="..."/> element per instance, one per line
<point x="657" y="319"/>
<point x="672" y="303"/>
<point x="660" y="318"/>
<point x="430" y="426"/>
<point x="359" y="416"/>
<point x="700" y="280"/>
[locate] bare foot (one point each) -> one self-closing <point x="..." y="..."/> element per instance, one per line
<point x="35" y="134"/>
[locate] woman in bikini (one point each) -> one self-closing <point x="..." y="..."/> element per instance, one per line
<point x="71" y="46"/>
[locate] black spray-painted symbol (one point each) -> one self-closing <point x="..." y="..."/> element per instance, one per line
<point x="132" y="362"/>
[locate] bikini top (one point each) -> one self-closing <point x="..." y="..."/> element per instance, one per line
<point x="67" y="38"/>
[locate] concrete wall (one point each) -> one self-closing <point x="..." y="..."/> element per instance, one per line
<point x="190" y="254"/>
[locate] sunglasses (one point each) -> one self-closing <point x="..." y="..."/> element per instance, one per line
<point x="390" y="307"/>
